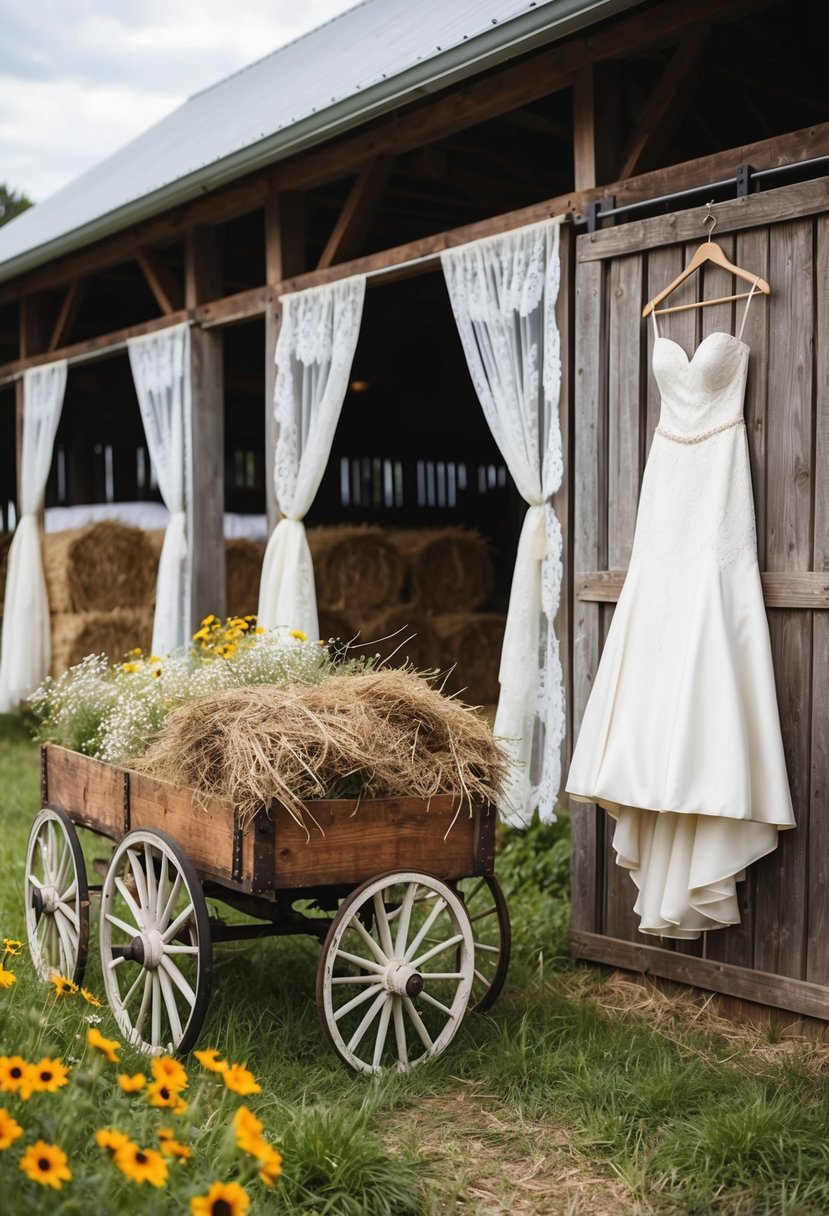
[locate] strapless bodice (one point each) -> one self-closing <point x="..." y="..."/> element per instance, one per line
<point x="705" y="391"/>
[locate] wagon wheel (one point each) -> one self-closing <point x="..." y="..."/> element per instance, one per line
<point x="488" y="913"/>
<point x="393" y="986"/>
<point x="155" y="943"/>
<point x="57" y="897"/>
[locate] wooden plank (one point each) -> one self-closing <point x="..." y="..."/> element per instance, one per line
<point x="358" y="211"/>
<point x="753" y="211"/>
<point x="753" y="252"/>
<point x="232" y="310"/>
<point x="94" y="346"/>
<point x="167" y="292"/>
<point x="808" y="589"/>
<point x="765" y="988"/>
<point x="596" y="113"/>
<point x="69" y="309"/>
<point x="817" y="946"/>
<point x="202" y="266"/>
<point x="663" y="265"/>
<point x="589" y="545"/>
<point x="204" y="832"/>
<point x="714" y="284"/>
<point x="91" y="791"/>
<point x="206" y="516"/>
<point x="781" y="924"/>
<point x="562" y="499"/>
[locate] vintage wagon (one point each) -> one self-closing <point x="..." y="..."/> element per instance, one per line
<point x="400" y="893"/>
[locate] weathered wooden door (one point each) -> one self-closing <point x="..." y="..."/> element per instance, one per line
<point x="779" y="954"/>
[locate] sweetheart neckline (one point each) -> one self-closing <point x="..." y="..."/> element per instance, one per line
<point x="717" y="333"/>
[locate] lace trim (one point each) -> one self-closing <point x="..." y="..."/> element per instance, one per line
<point x="703" y="435"/>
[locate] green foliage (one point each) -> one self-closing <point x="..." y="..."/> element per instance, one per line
<point x="12" y="203"/>
<point x="533" y="868"/>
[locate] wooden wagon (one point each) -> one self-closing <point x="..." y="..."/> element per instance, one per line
<point x="400" y="893"/>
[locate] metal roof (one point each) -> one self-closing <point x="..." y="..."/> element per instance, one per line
<point x="368" y="60"/>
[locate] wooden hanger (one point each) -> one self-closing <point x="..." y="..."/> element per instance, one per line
<point x="709" y="251"/>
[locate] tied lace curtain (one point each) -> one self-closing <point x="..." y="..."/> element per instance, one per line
<point x="503" y="292"/>
<point x="160" y="365"/>
<point x="314" y="353"/>
<point x="26" y="650"/>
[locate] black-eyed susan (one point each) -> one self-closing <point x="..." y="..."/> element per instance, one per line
<point x="47" y="1076"/>
<point x="211" y="1059"/>
<point x="240" y="1080"/>
<point x="107" y="1047"/>
<point x="223" y="1199"/>
<point x="249" y="1132"/>
<point x="162" y="1095"/>
<point x="12" y="1073"/>
<point x="62" y="984"/>
<point x="7" y="978"/>
<point x="90" y="998"/>
<point x="46" y="1164"/>
<point x="111" y="1140"/>
<point x="10" y="1129"/>
<point x="169" y="1072"/>
<point x="270" y="1166"/>
<point x="141" y="1164"/>
<point x="171" y="1147"/>
<point x="131" y="1084"/>
<point x="130" y="668"/>
<point x="11" y="945"/>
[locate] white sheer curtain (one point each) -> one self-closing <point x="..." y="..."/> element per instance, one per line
<point x="314" y="353"/>
<point x="26" y="650"/>
<point x="503" y="292"/>
<point x="160" y="365"/>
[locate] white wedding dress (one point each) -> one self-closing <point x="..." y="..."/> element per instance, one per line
<point x="680" y="739"/>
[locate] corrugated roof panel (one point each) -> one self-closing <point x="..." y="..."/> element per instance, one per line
<point x="363" y="62"/>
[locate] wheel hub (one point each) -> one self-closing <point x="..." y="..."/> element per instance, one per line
<point x="402" y="980"/>
<point x="49" y="900"/>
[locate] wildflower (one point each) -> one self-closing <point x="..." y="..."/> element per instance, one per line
<point x="271" y="1165"/>
<point x="223" y="1199"/>
<point x="12" y="1073"/>
<point x="141" y="1164"/>
<point x="246" y="1123"/>
<point x="131" y="1084"/>
<point x="90" y="998"/>
<point x="171" y="1147"/>
<point x="135" y="653"/>
<point x="63" y="985"/>
<point x="11" y="946"/>
<point x="7" y="978"/>
<point x="157" y="672"/>
<point x="129" y="668"/>
<point x="299" y="634"/>
<point x="94" y="1019"/>
<point x="111" y="1140"/>
<point x="169" y="1072"/>
<point x="210" y="1059"/>
<point x="108" y="1047"/>
<point x="162" y="1094"/>
<point x="259" y="629"/>
<point x="10" y="1129"/>
<point x="154" y="658"/>
<point x="201" y="635"/>
<point x="46" y="1164"/>
<point x="240" y="1080"/>
<point x="48" y="1076"/>
<point x="210" y="620"/>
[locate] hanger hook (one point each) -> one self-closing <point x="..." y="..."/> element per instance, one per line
<point x="708" y="216"/>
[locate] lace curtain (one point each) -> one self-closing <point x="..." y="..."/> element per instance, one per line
<point x="160" y="365"/>
<point x="26" y="650"/>
<point x="314" y="353"/>
<point x="503" y="293"/>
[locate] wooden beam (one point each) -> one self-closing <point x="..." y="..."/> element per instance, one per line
<point x="355" y="219"/>
<point x="92" y="346"/>
<point x="34" y="326"/>
<point x="781" y="589"/>
<point x="411" y="127"/>
<point x="667" y="102"/>
<point x="69" y="310"/>
<point x="167" y="292"/>
<point x="208" y="490"/>
<point x="202" y="266"/>
<point x="595" y="124"/>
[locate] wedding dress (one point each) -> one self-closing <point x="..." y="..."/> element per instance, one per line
<point x="680" y="739"/>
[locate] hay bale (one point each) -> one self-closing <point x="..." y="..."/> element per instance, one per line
<point x="382" y="734"/>
<point x="403" y="635"/>
<point x="449" y="569"/>
<point x="100" y="567"/>
<point x="355" y="567"/>
<point x="335" y="626"/>
<point x="472" y="648"/>
<point x="113" y="633"/>
<point x="243" y="570"/>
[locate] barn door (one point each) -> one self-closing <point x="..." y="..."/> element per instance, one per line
<point x="784" y="236"/>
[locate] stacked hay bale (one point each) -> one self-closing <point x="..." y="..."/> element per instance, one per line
<point x="101" y="585"/>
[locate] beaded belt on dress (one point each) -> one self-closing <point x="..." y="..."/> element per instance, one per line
<point x="726" y="426"/>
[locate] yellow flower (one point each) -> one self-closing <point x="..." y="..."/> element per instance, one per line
<point x="111" y="1140"/>
<point x="167" y="1071"/>
<point x="299" y="634"/>
<point x="48" y="1076"/>
<point x="129" y="668"/>
<point x="162" y="1094"/>
<point x="223" y="1199"/>
<point x="7" y="978"/>
<point x="210" y="1059"/>
<point x="108" y="1047"/>
<point x="271" y="1164"/>
<point x="157" y="672"/>
<point x="210" y="620"/>
<point x="12" y="1073"/>
<point x="240" y="1080"/>
<point x="63" y="985"/>
<point x="131" y="1084"/>
<point x="10" y="1129"/>
<point x="154" y="658"/>
<point x="46" y="1164"/>
<point x="11" y="946"/>
<point x="90" y="998"/>
<point x="201" y="635"/>
<point x="141" y="1164"/>
<point x="259" y="629"/>
<point x="172" y="1148"/>
<point x="136" y="652"/>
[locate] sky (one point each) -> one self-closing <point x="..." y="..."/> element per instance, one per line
<point x="80" y="78"/>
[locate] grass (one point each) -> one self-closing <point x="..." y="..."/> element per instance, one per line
<point x="582" y="1092"/>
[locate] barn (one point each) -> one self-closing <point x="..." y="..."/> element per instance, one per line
<point x="343" y="185"/>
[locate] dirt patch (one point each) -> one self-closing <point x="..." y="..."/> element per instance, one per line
<point x="496" y="1168"/>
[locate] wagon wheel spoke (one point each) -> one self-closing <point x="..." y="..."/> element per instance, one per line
<point x="170" y="1006"/>
<point x="365" y="995"/>
<point x="400" y="1035"/>
<point x="417" y="1022"/>
<point x="488" y="913"/>
<point x="382" y="1032"/>
<point x="56" y="897"/>
<point x="145" y="1003"/>
<point x="438" y="949"/>
<point x="368" y="1018"/>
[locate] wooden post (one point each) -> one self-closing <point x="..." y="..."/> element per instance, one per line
<point x="284" y="258"/>
<point x="206" y="535"/>
<point x="595" y="124"/>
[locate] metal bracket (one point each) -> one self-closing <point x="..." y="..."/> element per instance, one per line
<point x="264" y="847"/>
<point x="596" y="209"/>
<point x="238" y="838"/>
<point x="742" y="177"/>
<point x="126" y="801"/>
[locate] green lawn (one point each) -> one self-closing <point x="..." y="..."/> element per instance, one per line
<point x="579" y="1093"/>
